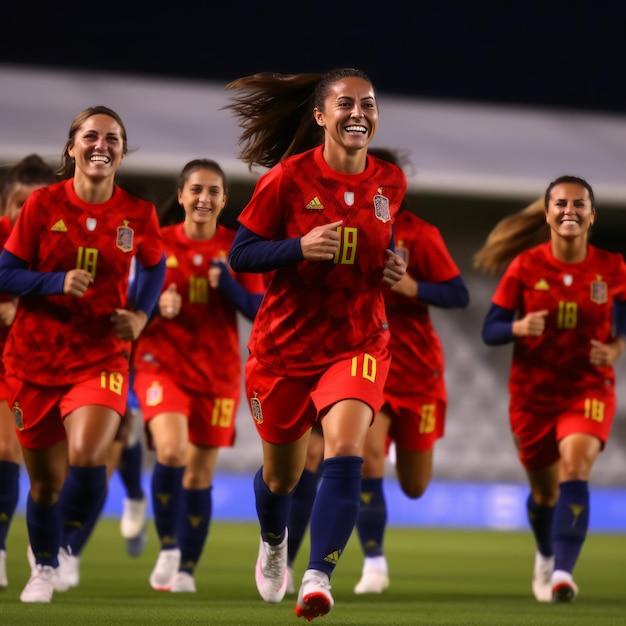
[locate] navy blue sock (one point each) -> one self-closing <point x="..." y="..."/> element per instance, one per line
<point x="372" y="518"/>
<point x="335" y="511"/>
<point x="81" y="500"/>
<point x="196" y="509"/>
<point x="540" y="519"/>
<point x="272" y="510"/>
<point x="44" y="531"/>
<point x="9" y="492"/>
<point x="167" y="487"/>
<point x="129" y="469"/>
<point x="571" y="521"/>
<point x="300" y="512"/>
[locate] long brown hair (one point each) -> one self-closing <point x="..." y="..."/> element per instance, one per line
<point x="275" y="112"/>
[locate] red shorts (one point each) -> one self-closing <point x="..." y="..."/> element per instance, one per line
<point x="39" y="411"/>
<point x="537" y="435"/>
<point x="284" y="408"/>
<point x="416" y="429"/>
<point x="211" y="420"/>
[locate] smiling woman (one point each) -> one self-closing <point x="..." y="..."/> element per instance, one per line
<point x="71" y="251"/>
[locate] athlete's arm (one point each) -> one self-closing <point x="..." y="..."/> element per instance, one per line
<point x="451" y="294"/>
<point x="246" y="302"/>
<point x="498" y="326"/>
<point x="254" y="254"/>
<point x="17" y="280"/>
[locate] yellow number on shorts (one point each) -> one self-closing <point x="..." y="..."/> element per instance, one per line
<point x="428" y="418"/>
<point x="87" y="259"/>
<point x="594" y="410"/>
<point x="113" y="381"/>
<point x="223" y="412"/>
<point x="367" y="367"/>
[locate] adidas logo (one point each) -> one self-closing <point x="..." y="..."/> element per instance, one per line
<point x="171" y="261"/>
<point x="59" y="227"/>
<point x="542" y="285"/>
<point x="315" y="204"/>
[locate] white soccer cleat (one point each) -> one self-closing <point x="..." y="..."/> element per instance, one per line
<point x="314" y="599"/>
<point x="374" y="576"/>
<point x="69" y="570"/>
<point x="183" y="583"/>
<point x="3" y="569"/>
<point x="165" y="569"/>
<point x="271" y="571"/>
<point x="40" y="585"/>
<point x="542" y="573"/>
<point x="60" y="580"/>
<point x="564" y="589"/>
<point x="133" y="521"/>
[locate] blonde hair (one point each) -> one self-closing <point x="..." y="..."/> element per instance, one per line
<point x="510" y="236"/>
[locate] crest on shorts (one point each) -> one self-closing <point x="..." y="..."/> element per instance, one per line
<point x="125" y="235"/>
<point x="381" y="208"/>
<point x="18" y="416"/>
<point x="599" y="292"/>
<point x="154" y="395"/>
<point x="255" y="407"/>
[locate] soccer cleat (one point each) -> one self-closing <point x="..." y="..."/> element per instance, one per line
<point x="59" y="581"/>
<point x="372" y="581"/>
<point x="163" y="573"/>
<point x="314" y="599"/>
<point x="183" y="583"/>
<point x="542" y="573"/>
<point x="564" y="589"/>
<point x="68" y="574"/>
<point x="133" y="521"/>
<point x="136" y="545"/>
<point x="271" y="571"/>
<point x="290" y="586"/>
<point x="3" y="569"/>
<point x="40" y="585"/>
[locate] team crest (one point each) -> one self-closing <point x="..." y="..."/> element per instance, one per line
<point x="125" y="236"/>
<point x="381" y="208"/>
<point x="255" y="407"/>
<point x="18" y="415"/>
<point x="599" y="292"/>
<point x="91" y="224"/>
<point x="348" y="197"/>
<point x="197" y="259"/>
<point x="154" y="395"/>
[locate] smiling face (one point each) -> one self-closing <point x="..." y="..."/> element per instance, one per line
<point x="203" y="197"/>
<point x="570" y="213"/>
<point x="98" y="147"/>
<point x="350" y="114"/>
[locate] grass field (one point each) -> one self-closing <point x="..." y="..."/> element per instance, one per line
<point x="437" y="577"/>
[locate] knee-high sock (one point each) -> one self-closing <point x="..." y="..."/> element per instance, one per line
<point x="300" y="512"/>
<point x="335" y="511"/>
<point x="541" y="519"/>
<point x="129" y="469"/>
<point x="372" y="518"/>
<point x="167" y="487"/>
<point x="272" y="510"/>
<point x="81" y="500"/>
<point x="9" y="493"/>
<point x="44" y="531"/>
<point x="194" y="524"/>
<point x="571" y="522"/>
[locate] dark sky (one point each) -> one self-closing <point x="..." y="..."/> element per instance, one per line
<point x="527" y="52"/>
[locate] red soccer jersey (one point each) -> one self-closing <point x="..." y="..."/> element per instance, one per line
<point x="417" y="364"/>
<point x="552" y="371"/>
<point x="199" y="348"/>
<point x="316" y="313"/>
<point x="60" y="340"/>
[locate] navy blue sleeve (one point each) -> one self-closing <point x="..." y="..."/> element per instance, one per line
<point x="254" y="254"/>
<point x="17" y="280"/>
<point x="498" y="326"/>
<point x="451" y="294"/>
<point x="146" y="288"/>
<point x="245" y="301"/>
<point x="392" y="243"/>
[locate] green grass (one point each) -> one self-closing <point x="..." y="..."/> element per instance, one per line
<point x="437" y="577"/>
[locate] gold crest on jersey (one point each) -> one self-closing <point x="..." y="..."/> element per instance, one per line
<point x="599" y="291"/>
<point x="125" y="236"/>
<point x="381" y="208"/>
<point x="255" y="407"/>
<point x="18" y="415"/>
